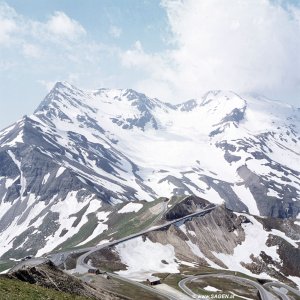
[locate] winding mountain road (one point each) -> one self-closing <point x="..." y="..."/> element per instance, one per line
<point x="279" y="285"/>
<point x="264" y="294"/>
<point x="60" y="257"/>
<point x="82" y="265"/>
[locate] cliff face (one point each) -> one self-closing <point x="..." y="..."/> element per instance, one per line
<point x="187" y="206"/>
<point x="196" y="240"/>
<point x="240" y="242"/>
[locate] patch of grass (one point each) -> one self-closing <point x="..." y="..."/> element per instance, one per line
<point x="132" y="226"/>
<point x="11" y="289"/>
<point x="134" y="222"/>
<point x="201" y="270"/>
<point x="171" y="279"/>
<point x="5" y="265"/>
<point x="122" y="225"/>
<point x="123" y="288"/>
<point x="197" y="270"/>
<point x="79" y="215"/>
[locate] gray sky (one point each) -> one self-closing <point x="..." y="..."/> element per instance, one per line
<point x="172" y="50"/>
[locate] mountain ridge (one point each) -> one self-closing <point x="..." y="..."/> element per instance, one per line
<point x="82" y="151"/>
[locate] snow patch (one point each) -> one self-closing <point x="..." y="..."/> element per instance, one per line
<point x="272" y="193"/>
<point x="102" y="217"/>
<point x="288" y="239"/>
<point x="255" y="242"/>
<point x="60" y="171"/>
<point x="46" y="177"/>
<point x="130" y="207"/>
<point x="144" y="258"/>
<point x="211" y="289"/>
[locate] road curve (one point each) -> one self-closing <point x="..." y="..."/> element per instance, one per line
<point x="182" y="285"/>
<point x="281" y="294"/>
<point x="264" y="294"/>
<point x="282" y="285"/>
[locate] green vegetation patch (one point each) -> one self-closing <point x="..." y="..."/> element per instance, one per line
<point x="128" y="290"/>
<point x="11" y="289"/>
<point x="5" y="265"/>
<point x="171" y="279"/>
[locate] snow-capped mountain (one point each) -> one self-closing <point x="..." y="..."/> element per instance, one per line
<point x="82" y="153"/>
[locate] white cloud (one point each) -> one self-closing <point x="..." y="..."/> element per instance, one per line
<point x="6" y="65"/>
<point x="240" y="45"/>
<point x="63" y="26"/>
<point x="6" y="28"/>
<point x="48" y="85"/>
<point x="31" y="51"/>
<point x="7" y="24"/>
<point x="55" y="42"/>
<point x="115" y="31"/>
<point x="153" y="64"/>
<point x="16" y="29"/>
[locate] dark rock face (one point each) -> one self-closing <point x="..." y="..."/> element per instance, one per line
<point x="187" y="106"/>
<point x="284" y="207"/>
<point x="235" y="116"/>
<point x="144" y="105"/>
<point x="225" y="191"/>
<point x="288" y="254"/>
<point x="287" y="226"/>
<point x="188" y="206"/>
<point x="107" y="258"/>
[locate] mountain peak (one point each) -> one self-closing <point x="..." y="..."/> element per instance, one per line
<point x="63" y="84"/>
<point x="220" y="96"/>
<point x="63" y="93"/>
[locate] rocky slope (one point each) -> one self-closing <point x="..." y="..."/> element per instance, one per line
<point x="64" y="169"/>
<point x="48" y="276"/>
<point x="221" y="239"/>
